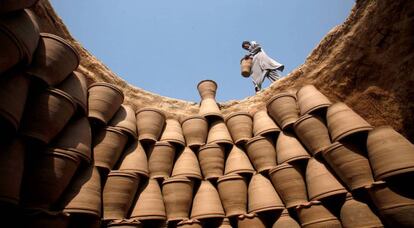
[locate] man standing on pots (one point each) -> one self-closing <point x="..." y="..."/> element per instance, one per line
<point x="262" y="66"/>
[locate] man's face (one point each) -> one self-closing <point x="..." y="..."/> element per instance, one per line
<point x="246" y="46"/>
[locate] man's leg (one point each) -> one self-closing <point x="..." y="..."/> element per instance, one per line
<point x="273" y="75"/>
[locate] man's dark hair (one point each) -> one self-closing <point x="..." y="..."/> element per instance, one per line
<point x="245" y="42"/>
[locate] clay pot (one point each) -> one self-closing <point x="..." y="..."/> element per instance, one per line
<point x="263" y="124"/>
<point x="311" y="99"/>
<point x="233" y="194"/>
<point x="210" y="109"/>
<point x="218" y="133"/>
<point x="225" y="223"/>
<point x="262" y="196"/>
<point x="13" y="5"/>
<point x="389" y="153"/>
<point x="108" y="146"/>
<point x="173" y="132"/>
<point x="289" y="183"/>
<point x="320" y="182"/>
<point x="150" y="123"/>
<point x="135" y="159"/>
<point x="149" y="204"/>
<point x="250" y="220"/>
<point x="240" y="125"/>
<point x="315" y="215"/>
<point x="207" y="89"/>
<point x="262" y="153"/>
<point x="178" y="195"/>
<point x="161" y="159"/>
<point x="125" y="120"/>
<point x="19" y="36"/>
<point x="283" y="109"/>
<point x="52" y="108"/>
<point x="189" y="223"/>
<point x="76" y="86"/>
<point x="125" y="223"/>
<point x="206" y="203"/>
<point x="11" y="169"/>
<point x="104" y="100"/>
<point x="246" y="65"/>
<point x="343" y="121"/>
<point x="351" y="166"/>
<point x="187" y="165"/>
<point x="289" y="149"/>
<point x="211" y="158"/>
<point x="313" y="133"/>
<point x="358" y="214"/>
<point x="53" y="60"/>
<point x="285" y="221"/>
<point x="118" y="194"/>
<point x="238" y="162"/>
<point x="195" y="129"/>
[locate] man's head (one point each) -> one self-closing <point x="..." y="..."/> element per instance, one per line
<point x="246" y="45"/>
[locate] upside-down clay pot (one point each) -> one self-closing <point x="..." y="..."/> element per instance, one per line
<point x="289" y="149"/>
<point x="149" y="204"/>
<point x="108" y="146"/>
<point x="262" y="196"/>
<point x="125" y="120"/>
<point x="246" y="65"/>
<point x="263" y="124"/>
<point x="285" y="221"/>
<point x="311" y="99"/>
<point x="320" y="182"/>
<point x="343" y="121"/>
<point x="14" y="5"/>
<point x="232" y="189"/>
<point x="238" y="162"/>
<point x="195" y="129"/>
<point x="150" y="123"/>
<point x="104" y="100"/>
<point x="54" y="59"/>
<point x="76" y="86"/>
<point x="173" y="132"/>
<point x="225" y="223"/>
<point x="262" y="153"/>
<point x="207" y="89"/>
<point x="358" y="214"/>
<point x="210" y="109"/>
<point x="389" y="153"/>
<point x="178" y="196"/>
<point x="313" y="133"/>
<point x="161" y="159"/>
<point x="349" y="163"/>
<point x="135" y="159"/>
<point x="316" y="215"/>
<point x="211" y="158"/>
<point x="283" y="109"/>
<point x="206" y="202"/>
<point x="118" y="194"/>
<point x="240" y="125"/>
<point x="47" y="114"/>
<point x="250" y="220"/>
<point x="290" y="185"/>
<point x="218" y="133"/>
<point x="124" y="223"/>
<point x="187" y="165"/>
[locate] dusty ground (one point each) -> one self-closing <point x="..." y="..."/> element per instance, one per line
<point x="368" y="62"/>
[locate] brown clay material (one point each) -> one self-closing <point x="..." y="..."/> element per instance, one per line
<point x="149" y="204"/>
<point x="206" y="203"/>
<point x="207" y="89"/>
<point x="289" y="149"/>
<point x="262" y="153"/>
<point x="389" y="153"/>
<point x="104" y="100"/>
<point x="262" y="196"/>
<point x="195" y="129"/>
<point x="189" y="223"/>
<point x="263" y="124"/>
<point x="343" y="121"/>
<point x="316" y="215"/>
<point x="233" y="194"/>
<point x="14" y="5"/>
<point x="283" y="109"/>
<point x="218" y="133"/>
<point x="250" y="220"/>
<point x="358" y="214"/>
<point x="311" y="99"/>
<point x="246" y="65"/>
<point x="125" y="120"/>
<point x="124" y="223"/>
<point x="210" y="109"/>
<point x="178" y="195"/>
<point x="76" y="86"/>
<point x="150" y="123"/>
<point x="238" y="162"/>
<point x="240" y="125"/>
<point x="211" y="158"/>
<point x="173" y="132"/>
<point x="108" y="146"/>
<point x="161" y="159"/>
<point x="285" y="221"/>
<point x="135" y="159"/>
<point x="187" y="165"/>
<point x="225" y="223"/>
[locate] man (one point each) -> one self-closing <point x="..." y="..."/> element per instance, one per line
<point x="263" y="66"/>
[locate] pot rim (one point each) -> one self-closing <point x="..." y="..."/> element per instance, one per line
<point x="109" y="85"/>
<point x="208" y="215"/>
<point x="163" y="143"/>
<point x="254" y="139"/>
<point x="61" y="153"/>
<point x="193" y="116"/>
<point x="123" y="173"/>
<point x="210" y="145"/>
<point x="149" y="217"/>
<point x="189" y="175"/>
<point x="176" y="179"/>
<point x="64" y="95"/>
<point x="152" y="110"/>
<point x="61" y="40"/>
<point x="351" y="131"/>
<point x="115" y="130"/>
<point x="306" y="86"/>
<point x="331" y="147"/>
<point x="232" y="176"/>
<point x="137" y="171"/>
<point x="207" y="80"/>
<point x="280" y="167"/>
<point x="303" y="118"/>
<point x="267" y="208"/>
<point x="279" y="95"/>
<point x="239" y="113"/>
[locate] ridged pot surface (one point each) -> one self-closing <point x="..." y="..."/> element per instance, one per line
<point x="206" y="202"/>
<point x="262" y="196"/>
<point x="187" y="165"/>
<point x="135" y="159"/>
<point x="263" y="124"/>
<point x="125" y="120"/>
<point x="209" y="109"/>
<point x="150" y="123"/>
<point x="311" y="99"/>
<point x="211" y="158"/>
<point x="262" y="153"/>
<point x="233" y="194"/>
<point x="313" y="133"/>
<point x="250" y="220"/>
<point x="285" y="221"/>
<point x="289" y="149"/>
<point x="218" y="133"/>
<point x="238" y="162"/>
<point x="108" y="146"/>
<point x="104" y="100"/>
<point x="246" y="65"/>
<point x="178" y="196"/>
<point x="77" y="87"/>
<point x="317" y="215"/>
<point x="195" y="129"/>
<point x="207" y="89"/>
<point x="358" y="214"/>
<point x="161" y="160"/>
<point x="189" y="223"/>
<point x="283" y="109"/>
<point x="149" y="204"/>
<point x="125" y="223"/>
<point x="240" y="125"/>
<point x="173" y="132"/>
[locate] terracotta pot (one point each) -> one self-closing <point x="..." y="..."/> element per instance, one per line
<point x="19" y="36"/>
<point x="394" y="205"/>
<point x="315" y="215"/>
<point x="125" y="120"/>
<point x="262" y="196"/>
<point x="250" y="220"/>
<point x="246" y="65"/>
<point x="187" y="165"/>
<point x="189" y="223"/>
<point x="389" y="153"/>
<point x="240" y="125"/>
<point x="52" y="108"/>
<point x="13" y="5"/>
<point x="53" y="60"/>
<point x="161" y="159"/>
<point x="173" y="132"/>
<point x="349" y="163"/>
<point x="289" y="149"/>
<point x="11" y="169"/>
<point x="343" y="121"/>
<point x="320" y="182"/>
<point x="283" y="109"/>
<point x="290" y="185"/>
<point x="238" y="162"/>
<point x="262" y="153"/>
<point x="178" y="196"/>
<point x="225" y="223"/>
<point x="285" y="221"/>
<point x="44" y="219"/>
<point x="218" y="133"/>
<point x="313" y="133"/>
<point x="118" y="194"/>
<point x="358" y="214"/>
<point x="125" y="223"/>
<point x="211" y="158"/>
<point x="135" y="159"/>
<point x="206" y="203"/>
<point x="233" y="194"/>
<point x="207" y="89"/>
<point x="195" y="129"/>
<point x="76" y="138"/>
<point x="104" y="100"/>
<point x="76" y="86"/>
<point x="108" y="146"/>
<point x="149" y="204"/>
<point x="46" y="177"/>
<point x="263" y="124"/>
<point x="311" y="99"/>
<point x="210" y="109"/>
<point x="150" y="123"/>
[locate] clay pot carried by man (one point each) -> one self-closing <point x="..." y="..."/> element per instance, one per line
<point x="262" y="153"/>
<point x="77" y="87"/>
<point x="315" y="215"/>
<point x="311" y="99"/>
<point x="240" y="125"/>
<point x="355" y="213"/>
<point x="206" y="202"/>
<point x="150" y="123"/>
<point x="108" y="146"/>
<point x="173" y="133"/>
<point x="125" y="120"/>
<point x="178" y="195"/>
<point x="233" y="194"/>
<point x="149" y="204"/>
<point x="195" y="129"/>
<point x="246" y="65"/>
<point x="289" y="149"/>
<point x="263" y="124"/>
<point x="104" y="100"/>
<point x="161" y="159"/>
<point x="283" y="109"/>
<point x="211" y="158"/>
